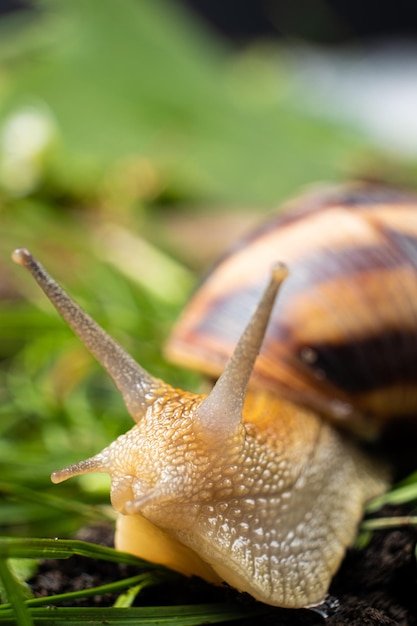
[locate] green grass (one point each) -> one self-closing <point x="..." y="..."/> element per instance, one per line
<point x="27" y="611"/>
<point x="178" y="615"/>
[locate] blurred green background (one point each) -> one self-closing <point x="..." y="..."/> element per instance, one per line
<point x="134" y="147"/>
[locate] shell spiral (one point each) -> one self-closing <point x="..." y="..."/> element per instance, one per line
<point x="343" y="339"/>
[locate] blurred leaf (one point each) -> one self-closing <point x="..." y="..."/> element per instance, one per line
<point x="15" y="593"/>
<point x="139" y="77"/>
<point x="404" y="493"/>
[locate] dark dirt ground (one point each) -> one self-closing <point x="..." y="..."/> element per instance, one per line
<point x="376" y="586"/>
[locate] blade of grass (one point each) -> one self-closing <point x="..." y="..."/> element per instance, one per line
<point x="400" y="495"/>
<point x="137" y="582"/>
<point x="66" y="506"/>
<point x="190" y="615"/>
<point x="127" y="598"/>
<point x="32" y="548"/>
<point x="15" y="596"/>
<point x="388" y="522"/>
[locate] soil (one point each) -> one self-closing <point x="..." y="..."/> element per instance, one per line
<point x="375" y="586"/>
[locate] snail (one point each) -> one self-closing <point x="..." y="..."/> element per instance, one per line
<point x="262" y="483"/>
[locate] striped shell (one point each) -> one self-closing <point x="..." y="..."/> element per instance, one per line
<point x="343" y="338"/>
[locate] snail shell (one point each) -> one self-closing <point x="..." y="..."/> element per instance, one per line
<point x="342" y="338"/>
<point x="254" y="485"/>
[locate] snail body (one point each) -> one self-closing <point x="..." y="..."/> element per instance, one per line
<point x="262" y="482"/>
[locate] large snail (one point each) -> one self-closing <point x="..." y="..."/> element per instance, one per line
<point x="263" y="482"/>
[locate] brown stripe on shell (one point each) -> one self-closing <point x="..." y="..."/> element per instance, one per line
<point x="365" y="198"/>
<point x="344" y="366"/>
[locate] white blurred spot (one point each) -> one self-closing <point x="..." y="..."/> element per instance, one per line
<point x="24" y="139"/>
<point x="371" y="87"/>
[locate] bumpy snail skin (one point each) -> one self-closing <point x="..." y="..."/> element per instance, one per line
<point x="267" y="510"/>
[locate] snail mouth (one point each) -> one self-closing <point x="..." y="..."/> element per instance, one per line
<point x="137" y="535"/>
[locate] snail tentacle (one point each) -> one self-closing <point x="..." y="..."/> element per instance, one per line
<point x="221" y="411"/>
<point x="138" y="388"/>
<point x="98" y="463"/>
